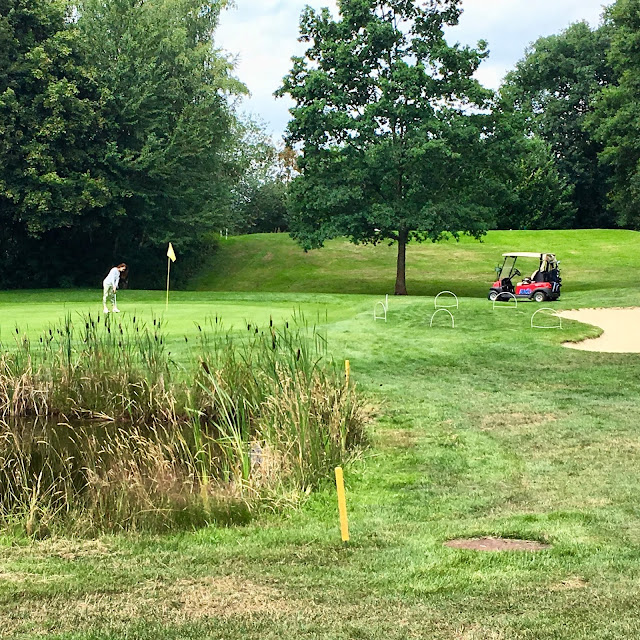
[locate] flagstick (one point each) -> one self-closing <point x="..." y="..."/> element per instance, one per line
<point x="168" y="272"/>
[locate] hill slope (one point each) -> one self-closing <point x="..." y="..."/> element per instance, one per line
<point x="590" y="259"/>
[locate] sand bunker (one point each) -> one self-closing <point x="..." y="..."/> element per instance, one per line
<point x="621" y="329"/>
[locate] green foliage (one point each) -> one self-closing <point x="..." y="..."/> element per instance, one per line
<point x="536" y="196"/>
<point x="616" y="121"/>
<point x="259" y="197"/>
<point x="118" y="135"/>
<point x="51" y="129"/>
<point x="266" y="207"/>
<point x="166" y="94"/>
<point x="387" y="118"/>
<point x="554" y="88"/>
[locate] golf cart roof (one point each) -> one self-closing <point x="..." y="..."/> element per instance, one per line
<point x="527" y="254"/>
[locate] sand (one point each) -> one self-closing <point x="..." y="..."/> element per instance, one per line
<point x="621" y="329"/>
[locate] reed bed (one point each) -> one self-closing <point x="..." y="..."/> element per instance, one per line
<point x="100" y="429"/>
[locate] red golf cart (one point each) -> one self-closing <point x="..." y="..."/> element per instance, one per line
<point x="544" y="283"/>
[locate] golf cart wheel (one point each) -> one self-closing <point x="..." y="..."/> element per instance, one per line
<point x="493" y="295"/>
<point x="539" y="296"/>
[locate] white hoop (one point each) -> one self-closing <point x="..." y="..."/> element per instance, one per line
<point x="505" y="293"/>
<point x="539" y="326"/>
<point x="384" y="312"/>
<point x="445" y="306"/>
<point x="453" y="322"/>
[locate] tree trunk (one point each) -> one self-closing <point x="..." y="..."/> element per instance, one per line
<point x="401" y="287"/>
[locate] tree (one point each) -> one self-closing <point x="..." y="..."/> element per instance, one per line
<point x="259" y="196"/>
<point x="287" y="164"/>
<point x="554" y="86"/>
<point x="51" y="134"/>
<point x="388" y="119"/>
<point x="535" y="195"/>
<point x="167" y="103"/>
<point x="264" y="209"/>
<point x="616" y="121"/>
<point x="116" y="135"/>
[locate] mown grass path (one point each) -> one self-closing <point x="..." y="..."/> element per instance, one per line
<point x="488" y="429"/>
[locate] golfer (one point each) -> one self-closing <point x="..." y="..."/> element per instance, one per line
<point x="110" y="285"/>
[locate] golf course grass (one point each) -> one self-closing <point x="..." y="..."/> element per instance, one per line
<point x="488" y="429"/>
<point x="597" y="259"/>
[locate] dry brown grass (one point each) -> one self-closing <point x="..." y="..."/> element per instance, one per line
<point x="574" y="582"/>
<point x="515" y="421"/>
<point x="154" y="600"/>
<point x="478" y="632"/>
<point x="230" y="596"/>
<point x="401" y="438"/>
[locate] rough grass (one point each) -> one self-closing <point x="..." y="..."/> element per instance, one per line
<point x="100" y="429"/>
<point x="489" y="430"/>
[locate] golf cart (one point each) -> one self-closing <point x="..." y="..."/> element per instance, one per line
<point x="544" y="283"/>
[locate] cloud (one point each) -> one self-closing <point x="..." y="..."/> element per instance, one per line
<point x="510" y="26"/>
<point x="263" y="35"/>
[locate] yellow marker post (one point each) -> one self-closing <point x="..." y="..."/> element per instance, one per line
<point x="171" y="257"/>
<point x="342" y="505"/>
<point x="347" y="370"/>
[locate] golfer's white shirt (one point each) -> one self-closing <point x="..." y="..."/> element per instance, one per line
<point x="112" y="279"/>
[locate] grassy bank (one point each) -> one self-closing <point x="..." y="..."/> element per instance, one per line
<point x="273" y="262"/>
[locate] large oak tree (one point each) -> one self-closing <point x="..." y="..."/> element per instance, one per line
<point x="389" y="121"/>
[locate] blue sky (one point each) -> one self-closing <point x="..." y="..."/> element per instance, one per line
<point x="262" y="36"/>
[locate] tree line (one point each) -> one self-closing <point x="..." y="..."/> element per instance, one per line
<point x="119" y="132"/>
<point x="400" y="142"/>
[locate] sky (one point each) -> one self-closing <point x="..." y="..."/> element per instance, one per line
<point x="261" y="35"/>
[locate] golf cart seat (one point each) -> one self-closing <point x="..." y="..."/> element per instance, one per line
<point x="507" y="285"/>
<point x="538" y="276"/>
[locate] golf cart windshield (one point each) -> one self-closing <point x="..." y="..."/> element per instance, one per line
<point x="546" y="263"/>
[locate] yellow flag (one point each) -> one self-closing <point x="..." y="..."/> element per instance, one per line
<point x="171" y="254"/>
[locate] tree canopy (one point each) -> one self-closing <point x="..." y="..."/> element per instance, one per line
<point x="170" y="126"/>
<point x="119" y="134"/>
<point x="51" y="129"/>
<point x="616" y="121"/>
<point x="259" y="197"/>
<point x="555" y="87"/>
<point x="389" y="121"/>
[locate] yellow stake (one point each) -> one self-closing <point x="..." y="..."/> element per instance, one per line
<point x="342" y="505"/>
<point x="166" y="307"/>
<point x="347" y="370"/>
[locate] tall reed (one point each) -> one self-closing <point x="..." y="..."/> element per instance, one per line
<point x="100" y="429"/>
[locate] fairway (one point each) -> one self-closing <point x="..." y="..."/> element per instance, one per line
<point x="488" y="429"/>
